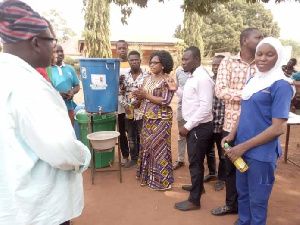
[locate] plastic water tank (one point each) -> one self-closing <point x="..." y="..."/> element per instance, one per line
<point x="100" y="82"/>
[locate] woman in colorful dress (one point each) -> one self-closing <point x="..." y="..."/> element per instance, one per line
<point x="155" y="160"/>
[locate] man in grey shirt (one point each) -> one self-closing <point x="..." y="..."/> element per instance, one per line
<point x="181" y="78"/>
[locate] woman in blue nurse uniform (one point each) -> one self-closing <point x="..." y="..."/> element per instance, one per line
<point x="265" y="108"/>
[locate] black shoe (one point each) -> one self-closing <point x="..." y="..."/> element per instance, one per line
<point x="189" y="188"/>
<point x="209" y="177"/>
<point x="186" y="206"/>
<point x="219" y="185"/>
<point x="177" y="165"/>
<point x="223" y="210"/>
<point x="130" y="164"/>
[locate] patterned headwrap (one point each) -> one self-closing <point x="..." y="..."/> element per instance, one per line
<point x="19" y="22"/>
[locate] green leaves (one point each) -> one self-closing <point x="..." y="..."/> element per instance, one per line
<point x="221" y="29"/>
<point x="59" y="25"/>
<point x="96" y="31"/>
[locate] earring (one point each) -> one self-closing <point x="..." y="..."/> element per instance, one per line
<point x="163" y="67"/>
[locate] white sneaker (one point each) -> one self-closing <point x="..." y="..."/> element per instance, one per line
<point x="123" y="161"/>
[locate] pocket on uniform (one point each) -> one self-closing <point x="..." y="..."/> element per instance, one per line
<point x="263" y="192"/>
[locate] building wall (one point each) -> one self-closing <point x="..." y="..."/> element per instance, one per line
<point x="145" y="49"/>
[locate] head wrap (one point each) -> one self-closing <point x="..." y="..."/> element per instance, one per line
<point x="263" y="80"/>
<point x="19" y="22"/>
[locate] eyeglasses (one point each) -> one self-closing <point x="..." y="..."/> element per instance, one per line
<point x="54" y="40"/>
<point x="153" y="63"/>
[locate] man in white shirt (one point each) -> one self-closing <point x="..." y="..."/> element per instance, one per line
<point x="197" y="98"/>
<point x="41" y="161"/>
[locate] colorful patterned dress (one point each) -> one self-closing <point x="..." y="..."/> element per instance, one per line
<point x="155" y="160"/>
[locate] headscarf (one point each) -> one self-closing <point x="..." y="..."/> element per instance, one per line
<point x="19" y="22"/>
<point x="263" y="80"/>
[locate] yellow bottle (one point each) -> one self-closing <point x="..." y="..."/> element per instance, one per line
<point x="239" y="163"/>
<point x="131" y="111"/>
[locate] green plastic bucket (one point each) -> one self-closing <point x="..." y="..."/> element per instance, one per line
<point x="100" y="123"/>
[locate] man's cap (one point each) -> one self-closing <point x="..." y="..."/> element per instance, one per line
<point x="18" y="22"/>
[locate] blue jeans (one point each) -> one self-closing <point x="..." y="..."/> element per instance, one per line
<point x="254" y="188"/>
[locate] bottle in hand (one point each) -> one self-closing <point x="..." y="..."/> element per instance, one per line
<point x="131" y="99"/>
<point x="131" y="111"/>
<point x="239" y="163"/>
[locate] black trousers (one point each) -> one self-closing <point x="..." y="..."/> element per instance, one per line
<point x="231" y="192"/>
<point x="211" y="159"/>
<point x="66" y="223"/>
<point x="197" y="145"/>
<point x="123" y="137"/>
<point x="134" y="128"/>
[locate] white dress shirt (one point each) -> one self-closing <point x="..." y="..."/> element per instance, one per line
<point x="41" y="161"/>
<point x="197" y="98"/>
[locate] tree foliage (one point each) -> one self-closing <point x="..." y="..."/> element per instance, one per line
<point x="221" y="29"/>
<point x="126" y="7"/>
<point x="96" y="29"/>
<point x="59" y="24"/>
<point x="180" y="47"/>
<point x="191" y="33"/>
<point x="205" y="7"/>
<point x="202" y="7"/>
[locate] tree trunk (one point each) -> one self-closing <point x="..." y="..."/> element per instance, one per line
<point x="191" y="31"/>
<point x="96" y="30"/>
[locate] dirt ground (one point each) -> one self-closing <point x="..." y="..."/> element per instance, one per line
<point x="110" y="202"/>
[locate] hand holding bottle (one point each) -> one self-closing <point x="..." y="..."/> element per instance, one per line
<point x="234" y="154"/>
<point x="130" y="112"/>
<point x="227" y="139"/>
